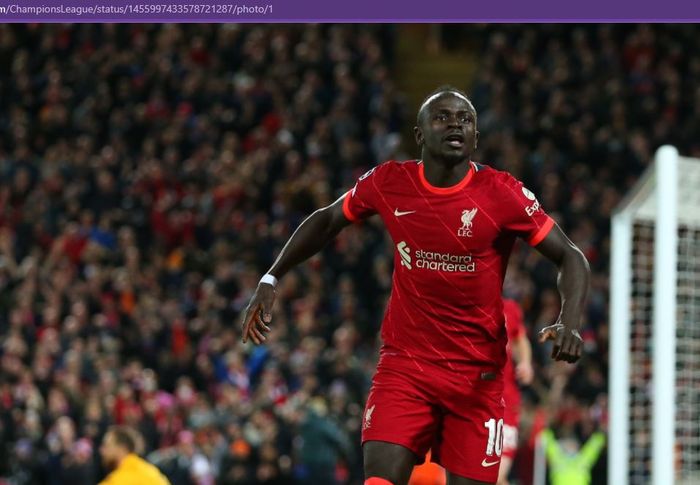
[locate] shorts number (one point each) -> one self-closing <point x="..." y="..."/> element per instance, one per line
<point x="495" y="436"/>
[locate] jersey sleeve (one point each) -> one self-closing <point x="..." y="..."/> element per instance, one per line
<point x="523" y="215"/>
<point x="361" y="201"/>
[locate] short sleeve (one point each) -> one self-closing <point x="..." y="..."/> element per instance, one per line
<point x="361" y="201"/>
<point x="522" y="212"/>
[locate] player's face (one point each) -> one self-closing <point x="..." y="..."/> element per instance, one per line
<point x="447" y="128"/>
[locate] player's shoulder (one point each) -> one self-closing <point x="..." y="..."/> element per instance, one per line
<point x="390" y="168"/>
<point x="401" y="165"/>
<point x="487" y="173"/>
<point x="500" y="180"/>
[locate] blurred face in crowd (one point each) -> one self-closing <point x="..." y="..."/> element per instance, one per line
<point x="111" y="452"/>
<point x="446" y="128"/>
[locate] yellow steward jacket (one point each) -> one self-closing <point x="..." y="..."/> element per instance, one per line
<point x="135" y="471"/>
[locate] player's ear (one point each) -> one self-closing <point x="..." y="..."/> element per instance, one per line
<point x="476" y="139"/>
<point x="418" y="133"/>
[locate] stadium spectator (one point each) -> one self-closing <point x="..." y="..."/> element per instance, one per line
<point x="570" y="464"/>
<point x="119" y="453"/>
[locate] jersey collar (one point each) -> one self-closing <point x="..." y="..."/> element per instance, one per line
<point x="445" y="190"/>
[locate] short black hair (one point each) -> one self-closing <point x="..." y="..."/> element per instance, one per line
<point x="126" y="437"/>
<point x="445" y="88"/>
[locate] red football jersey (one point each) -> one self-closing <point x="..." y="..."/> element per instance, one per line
<point x="515" y="330"/>
<point x="452" y="248"/>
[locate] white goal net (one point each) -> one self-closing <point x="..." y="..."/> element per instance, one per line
<point x="655" y="327"/>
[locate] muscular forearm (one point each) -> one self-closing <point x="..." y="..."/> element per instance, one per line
<point x="574" y="274"/>
<point x="573" y="282"/>
<point x="311" y="236"/>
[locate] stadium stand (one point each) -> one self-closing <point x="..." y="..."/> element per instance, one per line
<point x="149" y="174"/>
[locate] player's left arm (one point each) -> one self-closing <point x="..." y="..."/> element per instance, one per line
<point x="573" y="282"/>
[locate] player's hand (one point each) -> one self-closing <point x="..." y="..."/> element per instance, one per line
<point x="568" y="344"/>
<point x="258" y="315"/>
<point x="524" y="373"/>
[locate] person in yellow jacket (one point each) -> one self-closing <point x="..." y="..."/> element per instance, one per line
<point x="568" y="465"/>
<point x="118" y="453"/>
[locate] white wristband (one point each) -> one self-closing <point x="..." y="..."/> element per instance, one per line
<point x="269" y="279"/>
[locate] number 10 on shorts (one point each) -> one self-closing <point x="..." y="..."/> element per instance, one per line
<point x="495" y="442"/>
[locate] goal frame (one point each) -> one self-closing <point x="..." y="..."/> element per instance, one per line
<point x="655" y="193"/>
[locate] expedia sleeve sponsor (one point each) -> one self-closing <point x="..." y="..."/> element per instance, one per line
<point x="531" y="209"/>
<point x="521" y="212"/>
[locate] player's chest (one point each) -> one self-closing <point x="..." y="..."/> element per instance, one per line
<point x="452" y="222"/>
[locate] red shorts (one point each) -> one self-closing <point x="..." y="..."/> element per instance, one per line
<point x="459" y="416"/>
<point x="511" y="419"/>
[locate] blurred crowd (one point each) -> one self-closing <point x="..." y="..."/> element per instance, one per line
<point x="150" y="174"/>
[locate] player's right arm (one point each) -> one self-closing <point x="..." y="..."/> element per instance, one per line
<point x="311" y="236"/>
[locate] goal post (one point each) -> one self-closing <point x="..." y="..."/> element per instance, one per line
<point x="655" y="326"/>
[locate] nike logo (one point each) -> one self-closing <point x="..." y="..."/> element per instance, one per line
<point x="398" y="213"/>
<point x="485" y="463"/>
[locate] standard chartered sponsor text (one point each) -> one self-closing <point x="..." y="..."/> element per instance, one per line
<point x="444" y="262"/>
<point x="133" y="8"/>
<point x="451" y="263"/>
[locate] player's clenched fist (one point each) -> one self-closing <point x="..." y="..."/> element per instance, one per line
<point x="257" y="314"/>
<point x="567" y="342"/>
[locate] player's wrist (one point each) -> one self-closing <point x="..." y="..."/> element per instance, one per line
<point x="574" y="330"/>
<point x="269" y="279"/>
<point x="568" y="323"/>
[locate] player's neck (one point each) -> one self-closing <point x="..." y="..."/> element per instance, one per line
<point x="441" y="174"/>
